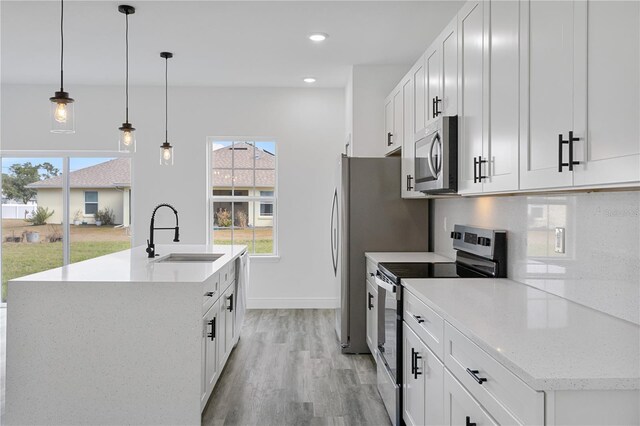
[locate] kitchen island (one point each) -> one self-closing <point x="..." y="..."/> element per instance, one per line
<point x="123" y="339"/>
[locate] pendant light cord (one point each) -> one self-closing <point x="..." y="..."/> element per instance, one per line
<point x="127" y="66"/>
<point x="61" y="45"/>
<point x="166" y="99"/>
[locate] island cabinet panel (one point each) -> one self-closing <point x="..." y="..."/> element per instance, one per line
<point x="229" y="303"/>
<point x="210" y="366"/>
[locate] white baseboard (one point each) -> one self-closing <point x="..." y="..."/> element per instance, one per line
<point x="291" y="303"/>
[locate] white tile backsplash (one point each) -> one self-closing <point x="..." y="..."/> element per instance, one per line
<point x="601" y="264"/>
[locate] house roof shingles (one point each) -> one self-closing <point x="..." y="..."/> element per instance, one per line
<point x="235" y="165"/>
<point x="110" y="174"/>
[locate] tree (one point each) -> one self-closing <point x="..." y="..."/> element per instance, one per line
<point x="14" y="183"/>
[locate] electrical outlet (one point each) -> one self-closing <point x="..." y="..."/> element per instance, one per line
<point x="560" y="240"/>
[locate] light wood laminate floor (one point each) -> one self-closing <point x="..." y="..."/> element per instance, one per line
<point x="287" y="370"/>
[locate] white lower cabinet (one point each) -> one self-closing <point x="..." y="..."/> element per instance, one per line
<point x="372" y="317"/>
<point x="460" y="408"/>
<point x="228" y="303"/>
<point x="423" y="382"/>
<point x="210" y="365"/>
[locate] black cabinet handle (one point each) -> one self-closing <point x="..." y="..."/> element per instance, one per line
<point x="416" y="357"/>
<point x="409" y="186"/>
<point x="475" y="170"/>
<point x="561" y="163"/>
<point x="480" y="162"/>
<point x="212" y="323"/>
<point x="419" y="319"/>
<point x="389" y="136"/>
<point x="474" y="374"/>
<point x="436" y="112"/>
<point x="230" y="299"/>
<point x="467" y="422"/>
<point x="370" y="304"/>
<point x="413" y="361"/>
<point x="433" y="107"/>
<point x="209" y="294"/>
<point x="572" y="139"/>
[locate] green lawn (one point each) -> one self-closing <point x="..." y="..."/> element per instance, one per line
<point x="262" y="246"/>
<point x="20" y="259"/>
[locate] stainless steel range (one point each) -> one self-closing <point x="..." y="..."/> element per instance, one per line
<point x="480" y="253"/>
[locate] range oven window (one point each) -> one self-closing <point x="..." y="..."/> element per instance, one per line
<point x="388" y="329"/>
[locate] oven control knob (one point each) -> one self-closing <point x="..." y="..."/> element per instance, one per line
<point x="456" y="235"/>
<point x="484" y="241"/>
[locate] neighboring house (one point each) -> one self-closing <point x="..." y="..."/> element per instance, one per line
<point x="105" y="185"/>
<point x="251" y="172"/>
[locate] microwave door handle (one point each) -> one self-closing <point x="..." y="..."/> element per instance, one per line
<point x="432" y="167"/>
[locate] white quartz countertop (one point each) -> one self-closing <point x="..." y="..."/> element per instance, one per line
<point x="134" y="266"/>
<point x="409" y="256"/>
<point x="549" y="342"/>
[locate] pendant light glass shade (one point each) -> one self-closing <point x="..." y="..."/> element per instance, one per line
<point x="166" y="150"/>
<point x="127" y="140"/>
<point x="61" y="107"/>
<point x="62" y="113"/>
<point x="166" y="154"/>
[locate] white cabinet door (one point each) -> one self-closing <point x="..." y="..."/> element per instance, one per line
<point x="229" y="311"/>
<point x="433" y="69"/>
<point x="419" y="96"/>
<point x="448" y="44"/>
<point x="407" y="183"/>
<point x="608" y="64"/>
<point x="501" y="148"/>
<point x="398" y="128"/>
<point x="388" y="123"/>
<point x="221" y="324"/>
<point x="460" y="408"/>
<point x="471" y="95"/>
<point x="372" y="317"/>
<point x="212" y="348"/>
<point x="547" y="91"/>
<point x="423" y="376"/>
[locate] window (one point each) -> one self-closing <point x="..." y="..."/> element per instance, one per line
<point x="90" y="202"/>
<point x="266" y="209"/>
<point x="243" y="194"/>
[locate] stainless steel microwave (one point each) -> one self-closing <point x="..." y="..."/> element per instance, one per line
<point x="436" y="157"/>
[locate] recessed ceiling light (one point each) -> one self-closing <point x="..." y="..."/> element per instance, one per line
<point x="318" y="36"/>
<point x="309" y="80"/>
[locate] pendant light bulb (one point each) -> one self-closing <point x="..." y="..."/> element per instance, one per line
<point x="127" y="142"/>
<point x="166" y="150"/>
<point x="62" y="116"/>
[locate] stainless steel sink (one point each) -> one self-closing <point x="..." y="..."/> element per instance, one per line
<point x="189" y="258"/>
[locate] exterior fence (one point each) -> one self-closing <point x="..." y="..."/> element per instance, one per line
<point x="18" y="211"/>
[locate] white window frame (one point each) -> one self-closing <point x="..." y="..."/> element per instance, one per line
<point x="265" y="203"/>
<point x="91" y="202"/>
<point x="65" y="156"/>
<point x="241" y="198"/>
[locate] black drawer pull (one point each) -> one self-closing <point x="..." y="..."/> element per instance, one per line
<point x="467" y="422"/>
<point x="416" y="356"/>
<point x="474" y="374"/>
<point x="209" y="294"/>
<point x="212" y="335"/>
<point x="230" y="299"/>
<point x="419" y="319"/>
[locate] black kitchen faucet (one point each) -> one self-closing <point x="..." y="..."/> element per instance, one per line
<point x="151" y="247"/>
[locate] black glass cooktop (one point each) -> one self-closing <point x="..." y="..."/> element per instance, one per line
<point x="397" y="271"/>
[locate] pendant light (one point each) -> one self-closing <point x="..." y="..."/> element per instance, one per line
<point x="127" y="140"/>
<point x="62" y="116"/>
<point x="166" y="150"/>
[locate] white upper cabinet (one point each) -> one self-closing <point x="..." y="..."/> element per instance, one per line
<point x="500" y="149"/>
<point x="433" y="70"/>
<point x="607" y="119"/>
<point x="393" y="119"/>
<point x="471" y="94"/>
<point x="547" y="83"/>
<point x="419" y="96"/>
<point x="448" y="43"/>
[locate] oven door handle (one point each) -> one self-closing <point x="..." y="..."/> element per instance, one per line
<point x="389" y="287"/>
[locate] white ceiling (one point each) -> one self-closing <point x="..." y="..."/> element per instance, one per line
<point x="216" y="43"/>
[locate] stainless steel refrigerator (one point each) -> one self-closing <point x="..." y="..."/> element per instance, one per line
<point x="368" y="215"/>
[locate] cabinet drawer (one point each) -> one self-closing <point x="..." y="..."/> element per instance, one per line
<point x="210" y="291"/>
<point x="425" y="322"/>
<point x="372" y="267"/>
<point x="232" y="270"/>
<point x="460" y="408"/>
<point x="501" y="393"/>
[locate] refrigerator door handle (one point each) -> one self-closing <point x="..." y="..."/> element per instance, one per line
<point x="334" y="233"/>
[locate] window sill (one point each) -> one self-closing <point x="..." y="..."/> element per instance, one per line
<point x="264" y="259"/>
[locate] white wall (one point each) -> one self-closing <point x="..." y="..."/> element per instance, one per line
<point x="601" y="266"/>
<point x="366" y="90"/>
<point x="309" y="125"/>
